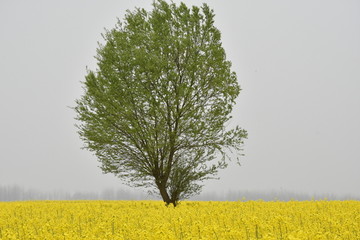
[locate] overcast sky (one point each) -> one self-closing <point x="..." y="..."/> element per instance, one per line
<point x="298" y="63"/>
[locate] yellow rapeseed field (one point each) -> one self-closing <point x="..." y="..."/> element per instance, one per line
<point x="190" y="220"/>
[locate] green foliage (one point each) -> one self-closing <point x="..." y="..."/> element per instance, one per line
<point x="154" y="110"/>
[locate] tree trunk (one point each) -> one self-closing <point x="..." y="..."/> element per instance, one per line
<point x="174" y="202"/>
<point x="164" y="194"/>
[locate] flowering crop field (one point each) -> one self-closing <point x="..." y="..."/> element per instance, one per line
<point x="190" y="220"/>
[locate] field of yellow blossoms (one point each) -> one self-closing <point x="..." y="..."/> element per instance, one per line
<point x="190" y="220"/>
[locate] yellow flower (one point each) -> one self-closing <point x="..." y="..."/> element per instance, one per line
<point x="118" y="220"/>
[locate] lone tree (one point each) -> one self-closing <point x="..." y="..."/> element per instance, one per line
<point x="154" y="111"/>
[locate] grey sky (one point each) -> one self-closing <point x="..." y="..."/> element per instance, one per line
<point x="298" y="63"/>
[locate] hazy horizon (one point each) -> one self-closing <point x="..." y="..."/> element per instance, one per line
<point x="298" y="64"/>
<point x="18" y="193"/>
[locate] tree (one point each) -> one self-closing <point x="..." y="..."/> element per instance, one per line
<point x="154" y="111"/>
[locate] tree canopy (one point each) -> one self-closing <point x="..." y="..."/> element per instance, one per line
<point x="155" y="109"/>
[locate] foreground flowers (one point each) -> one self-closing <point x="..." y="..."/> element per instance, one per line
<point x="190" y="220"/>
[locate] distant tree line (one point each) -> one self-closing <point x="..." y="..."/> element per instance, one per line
<point x="270" y="196"/>
<point x="17" y="193"/>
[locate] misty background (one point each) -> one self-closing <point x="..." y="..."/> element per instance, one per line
<point x="298" y="63"/>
